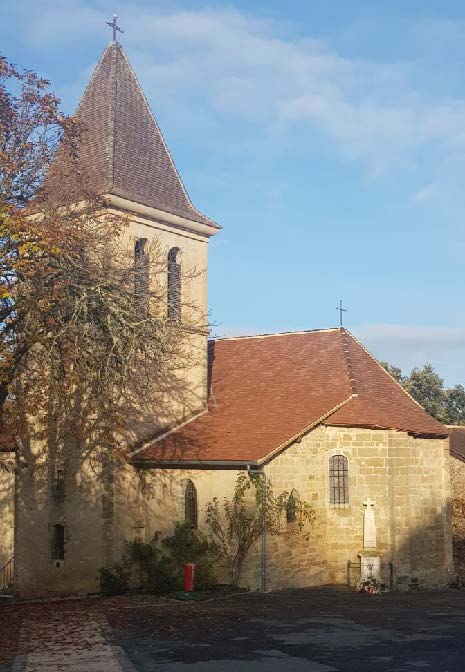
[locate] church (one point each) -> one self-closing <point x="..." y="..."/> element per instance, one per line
<point x="312" y="412"/>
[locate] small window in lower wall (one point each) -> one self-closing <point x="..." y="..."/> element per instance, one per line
<point x="58" y="542"/>
<point x="291" y="508"/>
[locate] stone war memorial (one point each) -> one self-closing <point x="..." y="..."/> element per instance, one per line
<point x="311" y="413"/>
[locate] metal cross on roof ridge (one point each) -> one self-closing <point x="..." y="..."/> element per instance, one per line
<point x="341" y="310"/>
<point x="115" y="27"/>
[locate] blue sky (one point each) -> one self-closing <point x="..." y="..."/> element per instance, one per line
<point x="327" y="137"/>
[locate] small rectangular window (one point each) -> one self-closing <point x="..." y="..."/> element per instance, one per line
<point x="58" y="542"/>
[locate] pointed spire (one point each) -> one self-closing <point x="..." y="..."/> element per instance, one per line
<point x="123" y="152"/>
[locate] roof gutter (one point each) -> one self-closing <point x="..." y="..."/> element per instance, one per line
<point x="195" y="464"/>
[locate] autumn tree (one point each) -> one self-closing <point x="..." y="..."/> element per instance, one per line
<point x="83" y="337"/>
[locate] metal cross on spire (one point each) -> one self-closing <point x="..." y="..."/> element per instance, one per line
<point x="115" y="27"/>
<point x="341" y="311"/>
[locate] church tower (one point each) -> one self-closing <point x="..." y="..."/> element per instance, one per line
<point x="64" y="534"/>
<point x="123" y="157"/>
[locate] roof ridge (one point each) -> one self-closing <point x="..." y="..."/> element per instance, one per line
<point x="166" y="433"/>
<point x="389" y="375"/>
<point x="114" y="64"/>
<point x="348" y="360"/>
<point x="306" y="429"/>
<point x="278" y="333"/>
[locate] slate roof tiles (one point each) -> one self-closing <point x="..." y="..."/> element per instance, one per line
<point x="122" y="150"/>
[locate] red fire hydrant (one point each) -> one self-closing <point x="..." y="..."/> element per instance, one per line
<point x="189" y="576"/>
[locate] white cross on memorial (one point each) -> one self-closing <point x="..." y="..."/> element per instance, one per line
<point x="369" y="526"/>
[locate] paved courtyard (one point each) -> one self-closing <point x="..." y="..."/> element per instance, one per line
<point x="315" y="630"/>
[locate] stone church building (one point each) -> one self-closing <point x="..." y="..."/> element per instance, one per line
<point x="312" y="411"/>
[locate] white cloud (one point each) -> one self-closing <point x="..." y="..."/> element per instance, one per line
<point x="409" y="346"/>
<point x="227" y="63"/>
<point x="425" y="194"/>
<point x="241" y="67"/>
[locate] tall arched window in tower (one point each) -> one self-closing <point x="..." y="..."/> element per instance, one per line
<point x="174" y="284"/>
<point x="190" y="504"/>
<point x="141" y="273"/>
<point x="338" y="479"/>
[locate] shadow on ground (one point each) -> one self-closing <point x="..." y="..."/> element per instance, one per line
<point x="314" y="630"/>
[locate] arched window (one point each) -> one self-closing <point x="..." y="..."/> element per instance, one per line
<point x="190" y="504"/>
<point x="58" y="542"/>
<point x="291" y="507"/>
<point x="174" y="284"/>
<point x="338" y="480"/>
<point x="141" y="273"/>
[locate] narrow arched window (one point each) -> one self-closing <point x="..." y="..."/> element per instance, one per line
<point x="338" y="480"/>
<point x="291" y="508"/>
<point x="58" y="542"/>
<point x="190" y="504"/>
<point x="174" y="284"/>
<point x="141" y="273"/>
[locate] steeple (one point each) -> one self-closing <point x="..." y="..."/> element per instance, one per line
<point x="122" y="152"/>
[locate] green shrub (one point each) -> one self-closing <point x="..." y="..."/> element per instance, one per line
<point x="187" y="545"/>
<point x="140" y="557"/>
<point x="205" y="576"/>
<point x="113" y="581"/>
<point x="164" y="576"/>
<point x="157" y="565"/>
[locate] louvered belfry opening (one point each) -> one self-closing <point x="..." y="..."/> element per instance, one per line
<point x="338" y="480"/>
<point x="141" y="274"/>
<point x="174" y="285"/>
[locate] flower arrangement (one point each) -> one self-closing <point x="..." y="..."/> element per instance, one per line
<point x="372" y="587"/>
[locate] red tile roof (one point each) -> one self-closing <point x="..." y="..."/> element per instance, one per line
<point x="267" y="390"/>
<point x="122" y="151"/>
<point x="457" y="441"/>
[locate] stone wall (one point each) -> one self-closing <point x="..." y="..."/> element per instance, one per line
<point x="421" y="517"/>
<point x="7" y="479"/>
<point x="186" y="393"/>
<point x="76" y="504"/>
<point x="457" y="470"/>
<point x="95" y="528"/>
<point x="407" y="478"/>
